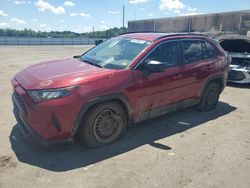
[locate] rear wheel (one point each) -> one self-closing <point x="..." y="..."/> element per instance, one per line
<point x="209" y="98"/>
<point x="104" y="124"/>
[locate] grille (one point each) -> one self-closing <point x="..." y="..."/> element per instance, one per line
<point x="236" y="75"/>
<point x="20" y="101"/>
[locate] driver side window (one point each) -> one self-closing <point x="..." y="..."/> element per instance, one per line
<point x="167" y="53"/>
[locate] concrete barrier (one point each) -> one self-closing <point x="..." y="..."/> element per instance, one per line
<point x="233" y="22"/>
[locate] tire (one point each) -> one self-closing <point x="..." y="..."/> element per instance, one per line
<point x="210" y="98"/>
<point x="103" y="124"/>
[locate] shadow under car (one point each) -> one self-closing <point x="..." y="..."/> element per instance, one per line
<point x="72" y="156"/>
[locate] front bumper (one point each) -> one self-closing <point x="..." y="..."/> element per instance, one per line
<point x="45" y="123"/>
<point x="239" y="75"/>
<point x="29" y="133"/>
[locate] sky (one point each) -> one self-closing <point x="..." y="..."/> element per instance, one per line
<point x="82" y="15"/>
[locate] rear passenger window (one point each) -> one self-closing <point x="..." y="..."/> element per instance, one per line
<point x="192" y="51"/>
<point x="209" y="51"/>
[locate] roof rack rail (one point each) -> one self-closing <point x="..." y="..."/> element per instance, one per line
<point x="167" y="34"/>
<point x="180" y="34"/>
<point x="131" y="32"/>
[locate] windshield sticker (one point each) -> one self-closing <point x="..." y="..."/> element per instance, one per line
<point x="114" y="43"/>
<point x="138" y="41"/>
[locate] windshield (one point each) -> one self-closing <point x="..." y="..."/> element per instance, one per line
<point x="115" y="53"/>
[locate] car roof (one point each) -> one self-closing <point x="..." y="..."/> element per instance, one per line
<point x="154" y="36"/>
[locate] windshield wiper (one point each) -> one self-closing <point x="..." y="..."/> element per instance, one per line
<point x="91" y="63"/>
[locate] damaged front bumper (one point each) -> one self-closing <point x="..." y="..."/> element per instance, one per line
<point x="29" y="133"/>
<point x="238" y="75"/>
<point x="239" y="68"/>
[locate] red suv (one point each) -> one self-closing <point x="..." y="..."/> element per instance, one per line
<point x="128" y="78"/>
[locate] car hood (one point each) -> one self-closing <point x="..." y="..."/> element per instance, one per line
<point x="59" y="73"/>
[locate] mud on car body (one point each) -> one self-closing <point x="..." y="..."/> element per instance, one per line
<point x="128" y="78"/>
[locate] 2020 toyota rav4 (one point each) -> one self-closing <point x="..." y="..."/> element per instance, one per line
<point x="128" y="78"/>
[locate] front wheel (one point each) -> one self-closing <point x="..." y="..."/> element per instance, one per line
<point x="104" y="124"/>
<point x="209" y="98"/>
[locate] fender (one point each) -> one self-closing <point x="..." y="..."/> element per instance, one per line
<point x="219" y="77"/>
<point x="117" y="96"/>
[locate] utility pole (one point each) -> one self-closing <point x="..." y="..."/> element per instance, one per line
<point x="123" y="16"/>
<point x="93" y="32"/>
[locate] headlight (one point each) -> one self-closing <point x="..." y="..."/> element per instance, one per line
<point x="43" y="95"/>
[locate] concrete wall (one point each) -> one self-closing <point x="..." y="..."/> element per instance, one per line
<point x="45" y="41"/>
<point x="172" y="25"/>
<point x="236" y="22"/>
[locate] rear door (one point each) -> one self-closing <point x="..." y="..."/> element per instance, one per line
<point x="197" y="65"/>
<point x="158" y="90"/>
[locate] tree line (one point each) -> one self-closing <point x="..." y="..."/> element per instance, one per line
<point x="61" y="34"/>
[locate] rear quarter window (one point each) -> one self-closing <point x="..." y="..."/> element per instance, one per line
<point x="209" y="51"/>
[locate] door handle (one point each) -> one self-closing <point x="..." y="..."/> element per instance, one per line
<point x="209" y="67"/>
<point x="176" y="77"/>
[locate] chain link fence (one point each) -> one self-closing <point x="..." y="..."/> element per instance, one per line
<point x="47" y="41"/>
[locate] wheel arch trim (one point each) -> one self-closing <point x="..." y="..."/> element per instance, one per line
<point x="211" y="79"/>
<point x="117" y="96"/>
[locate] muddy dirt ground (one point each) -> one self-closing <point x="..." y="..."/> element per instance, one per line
<point x="182" y="149"/>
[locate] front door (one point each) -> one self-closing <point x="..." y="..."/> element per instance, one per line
<point x="158" y="91"/>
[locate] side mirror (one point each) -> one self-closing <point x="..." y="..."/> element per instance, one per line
<point x="76" y="56"/>
<point x="154" y="66"/>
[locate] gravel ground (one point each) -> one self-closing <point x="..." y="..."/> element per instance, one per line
<point x="182" y="149"/>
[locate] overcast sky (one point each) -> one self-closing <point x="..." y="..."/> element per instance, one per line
<point x="82" y="15"/>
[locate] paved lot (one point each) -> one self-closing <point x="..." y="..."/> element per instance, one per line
<point x="182" y="149"/>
